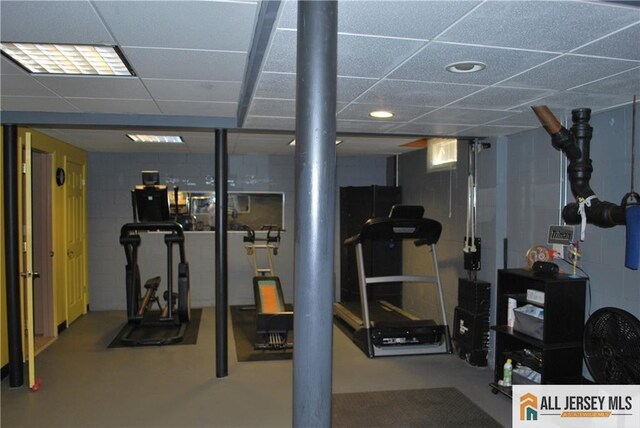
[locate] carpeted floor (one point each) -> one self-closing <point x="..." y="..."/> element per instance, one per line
<point x="243" y="320"/>
<point x="190" y="334"/>
<point x="437" y="408"/>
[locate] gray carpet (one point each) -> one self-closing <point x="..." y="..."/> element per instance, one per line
<point x="437" y="408"/>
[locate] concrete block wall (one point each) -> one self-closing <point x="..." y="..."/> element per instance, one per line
<point x="111" y="176"/>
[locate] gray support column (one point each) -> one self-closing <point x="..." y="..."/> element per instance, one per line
<point x="11" y="253"/>
<point x="221" y="173"/>
<point x="314" y="211"/>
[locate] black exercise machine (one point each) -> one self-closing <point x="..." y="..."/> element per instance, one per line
<point x="273" y="321"/>
<point x="167" y="324"/>
<point x="380" y="328"/>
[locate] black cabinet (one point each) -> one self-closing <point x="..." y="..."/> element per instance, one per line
<point x="558" y="354"/>
<point x="357" y="205"/>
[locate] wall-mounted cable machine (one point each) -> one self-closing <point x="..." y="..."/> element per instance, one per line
<point x="471" y="316"/>
<point x="471" y="248"/>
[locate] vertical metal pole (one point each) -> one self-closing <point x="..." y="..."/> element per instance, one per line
<point x="11" y="254"/>
<point x="221" y="174"/>
<point x="314" y="211"/>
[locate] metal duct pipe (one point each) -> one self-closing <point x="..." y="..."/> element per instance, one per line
<point x="575" y="144"/>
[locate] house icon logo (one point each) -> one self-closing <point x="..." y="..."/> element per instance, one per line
<point x="528" y="407"/>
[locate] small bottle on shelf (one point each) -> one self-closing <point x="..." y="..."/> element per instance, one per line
<point x="507" y="372"/>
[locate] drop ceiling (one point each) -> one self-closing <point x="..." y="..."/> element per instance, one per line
<point x="205" y="64"/>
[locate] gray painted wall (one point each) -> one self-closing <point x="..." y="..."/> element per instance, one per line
<point x="519" y="185"/>
<point x="112" y="176"/>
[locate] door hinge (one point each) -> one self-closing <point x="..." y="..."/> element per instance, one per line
<point x="24" y="168"/>
<point x="24" y="247"/>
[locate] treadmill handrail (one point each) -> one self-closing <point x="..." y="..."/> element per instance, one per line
<point x="400" y="278"/>
<point x="425" y="231"/>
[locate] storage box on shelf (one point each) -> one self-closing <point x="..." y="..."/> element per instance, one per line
<point x="557" y="356"/>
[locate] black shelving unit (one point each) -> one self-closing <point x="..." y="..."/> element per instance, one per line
<point x="357" y="205"/>
<point x="558" y="355"/>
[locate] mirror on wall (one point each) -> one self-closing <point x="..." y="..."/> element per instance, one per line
<point x="245" y="210"/>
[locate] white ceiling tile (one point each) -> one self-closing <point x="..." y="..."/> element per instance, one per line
<point x="493" y="131"/>
<point x="272" y="107"/>
<point x="621" y="84"/>
<point x="198" y="108"/>
<point x="500" y="98"/>
<point x="23" y="85"/>
<point x="402" y="113"/>
<point x="9" y="67"/>
<point x="421" y="19"/>
<point x="186" y="64"/>
<point x="100" y="105"/>
<point x="526" y="118"/>
<point x="564" y="102"/>
<point x="461" y="116"/>
<point x="557" y="26"/>
<point x="283" y="85"/>
<point x="36" y="104"/>
<point x="354" y="54"/>
<point x="350" y="89"/>
<point x="430" y="64"/>
<point x="266" y="122"/>
<point x="428" y="129"/>
<point x="206" y="25"/>
<point x="192" y="90"/>
<point x="276" y="85"/>
<point x="95" y="86"/>
<point x="623" y="44"/>
<point x="52" y="22"/>
<point x="395" y="92"/>
<point x="568" y="71"/>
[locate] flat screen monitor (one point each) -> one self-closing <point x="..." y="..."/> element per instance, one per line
<point x="150" y="178"/>
<point x="152" y="203"/>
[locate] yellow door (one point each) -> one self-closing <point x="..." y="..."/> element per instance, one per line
<point x="27" y="261"/>
<point x="76" y="237"/>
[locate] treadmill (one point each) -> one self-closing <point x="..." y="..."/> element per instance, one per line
<point x="380" y="328"/>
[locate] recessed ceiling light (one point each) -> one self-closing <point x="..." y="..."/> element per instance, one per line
<point x="381" y="114"/>
<point x="466" y="67"/>
<point x="142" y="138"/>
<point x="293" y="142"/>
<point x="46" y="58"/>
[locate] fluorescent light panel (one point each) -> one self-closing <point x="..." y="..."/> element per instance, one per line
<point x="43" y="58"/>
<point x="293" y="142"/>
<point x="142" y="138"/>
